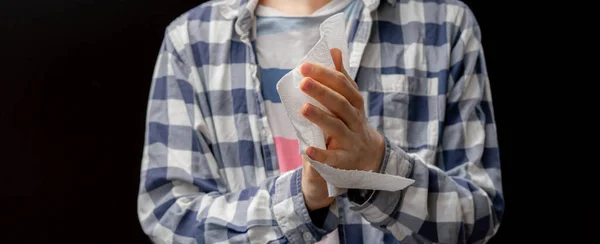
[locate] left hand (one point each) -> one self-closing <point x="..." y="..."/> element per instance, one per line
<point x="352" y="143"/>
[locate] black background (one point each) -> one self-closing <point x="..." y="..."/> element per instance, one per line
<point x="75" y="81"/>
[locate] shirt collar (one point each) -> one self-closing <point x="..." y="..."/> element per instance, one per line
<point x="243" y="10"/>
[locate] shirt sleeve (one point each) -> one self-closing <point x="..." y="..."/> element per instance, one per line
<point x="461" y="202"/>
<point x="183" y="197"/>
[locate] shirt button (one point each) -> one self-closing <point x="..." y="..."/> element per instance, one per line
<point x="307" y="236"/>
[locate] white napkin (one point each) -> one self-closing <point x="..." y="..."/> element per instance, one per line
<point x="309" y="134"/>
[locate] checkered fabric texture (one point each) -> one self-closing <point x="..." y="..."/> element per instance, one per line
<point x="209" y="170"/>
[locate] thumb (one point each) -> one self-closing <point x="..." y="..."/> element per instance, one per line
<point x="336" y="55"/>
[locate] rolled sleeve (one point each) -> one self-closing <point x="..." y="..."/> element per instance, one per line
<point x="376" y="206"/>
<point x="291" y="213"/>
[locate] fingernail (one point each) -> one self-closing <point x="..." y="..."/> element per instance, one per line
<point x="306" y="68"/>
<point x="306" y="110"/>
<point x="308" y="84"/>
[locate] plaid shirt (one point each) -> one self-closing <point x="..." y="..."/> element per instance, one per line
<point x="209" y="169"/>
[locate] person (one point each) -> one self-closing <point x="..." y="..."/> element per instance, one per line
<point x="221" y="162"/>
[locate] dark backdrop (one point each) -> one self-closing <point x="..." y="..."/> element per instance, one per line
<point x="75" y="81"/>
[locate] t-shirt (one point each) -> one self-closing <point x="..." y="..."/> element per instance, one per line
<point x="281" y="41"/>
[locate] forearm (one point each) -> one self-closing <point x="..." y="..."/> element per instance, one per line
<point x="438" y="207"/>
<point x="175" y="210"/>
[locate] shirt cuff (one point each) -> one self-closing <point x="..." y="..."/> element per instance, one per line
<point x="376" y="206"/>
<point x="291" y="213"/>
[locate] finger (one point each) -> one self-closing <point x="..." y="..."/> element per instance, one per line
<point x="329" y="157"/>
<point x="310" y="172"/>
<point x="336" y="55"/>
<point x="335" y="80"/>
<point x="337" y="104"/>
<point x="330" y="125"/>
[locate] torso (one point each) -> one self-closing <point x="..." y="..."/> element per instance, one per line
<point x="403" y="81"/>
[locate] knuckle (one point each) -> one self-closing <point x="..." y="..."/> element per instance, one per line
<point x="343" y="103"/>
<point x="320" y="115"/>
<point x="317" y="71"/>
<point x="360" y="99"/>
<point x="340" y="125"/>
<point x="324" y="158"/>
<point x="358" y="114"/>
<point x="343" y="79"/>
<point x="331" y="161"/>
<point x="340" y="77"/>
<point x="338" y="156"/>
<point x="319" y="91"/>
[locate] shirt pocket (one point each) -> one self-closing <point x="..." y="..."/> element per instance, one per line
<point x="405" y="110"/>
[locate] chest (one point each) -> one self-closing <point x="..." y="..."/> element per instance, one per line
<point x="403" y="82"/>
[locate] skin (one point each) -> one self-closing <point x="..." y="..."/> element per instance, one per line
<point x="351" y="143"/>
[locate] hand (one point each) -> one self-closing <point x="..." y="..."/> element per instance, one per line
<point x="352" y="143"/>
<point x="314" y="187"/>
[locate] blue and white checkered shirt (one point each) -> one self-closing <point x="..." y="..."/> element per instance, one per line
<point x="209" y="169"/>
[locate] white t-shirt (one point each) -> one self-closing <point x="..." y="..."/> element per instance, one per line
<point x="281" y="41"/>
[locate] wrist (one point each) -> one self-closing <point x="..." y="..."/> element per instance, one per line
<point x="291" y="214"/>
<point x="379" y="154"/>
<point x="314" y="202"/>
<point x="314" y="189"/>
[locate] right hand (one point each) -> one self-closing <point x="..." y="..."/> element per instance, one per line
<point x="314" y="187"/>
